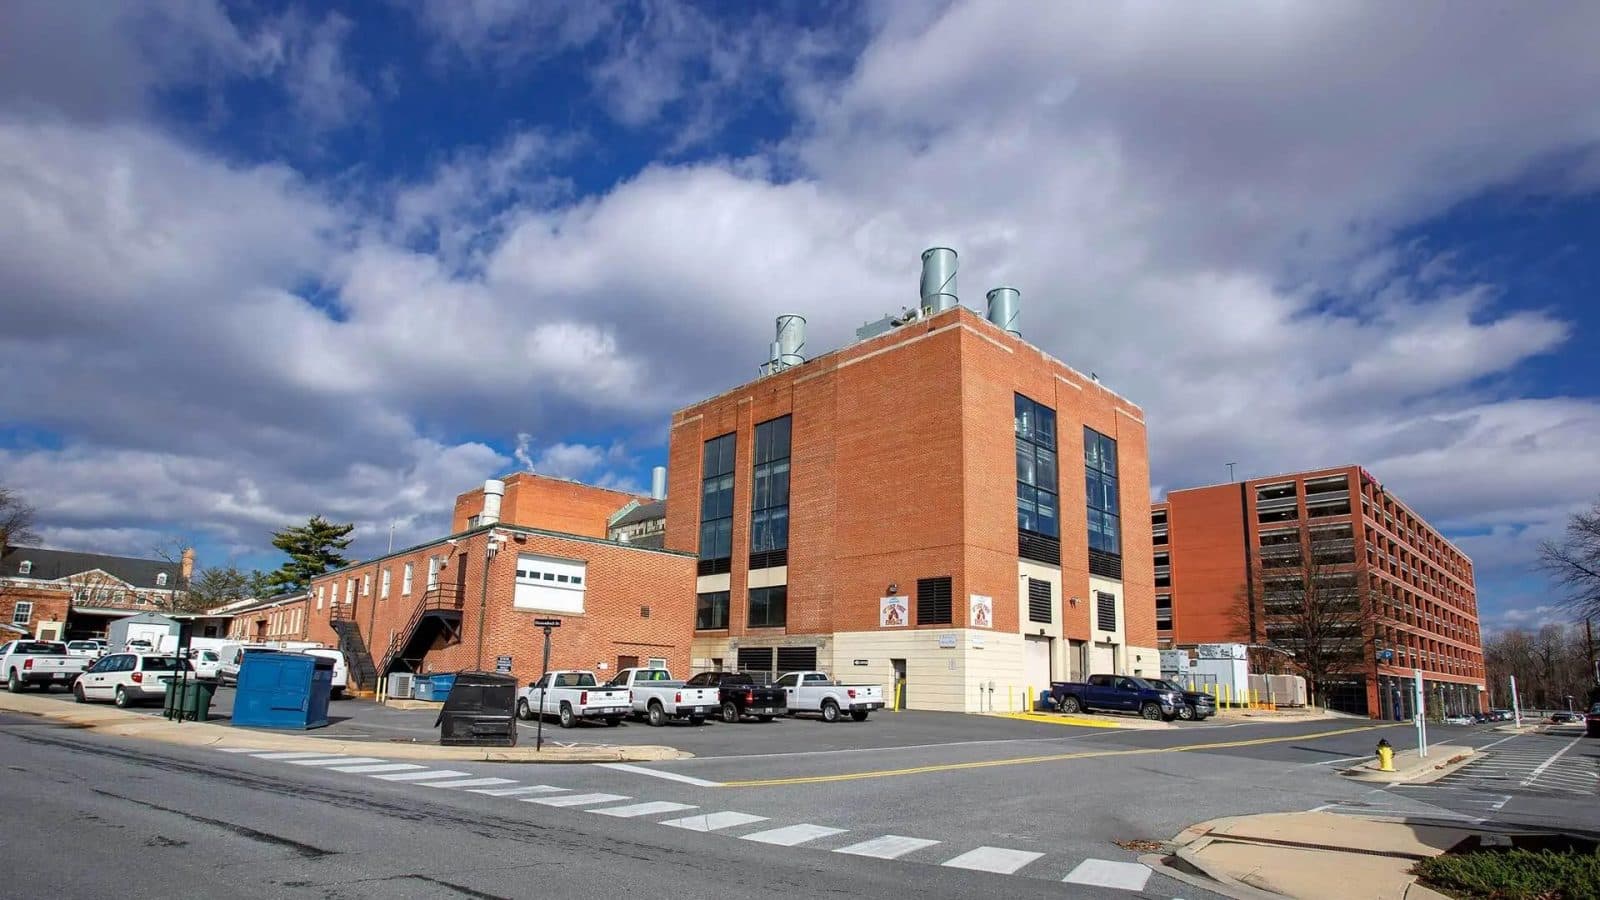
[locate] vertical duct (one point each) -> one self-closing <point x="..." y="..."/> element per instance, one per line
<point x="791" y="342"/>
<point x="658" y="483"/>
<point x="1003" y="303"/>
<point x="939" y="279"/>
<point x="493" y="490"/>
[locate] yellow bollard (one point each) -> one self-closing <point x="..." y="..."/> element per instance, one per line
<point x="1027" y="700"/>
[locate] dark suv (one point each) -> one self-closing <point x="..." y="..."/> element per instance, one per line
<point x="1196" y="705"/>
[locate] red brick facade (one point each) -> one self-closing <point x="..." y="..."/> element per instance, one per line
<point x="282" y="620"/>
<point x="549" y="504"/>
<point x="41" y="603"/>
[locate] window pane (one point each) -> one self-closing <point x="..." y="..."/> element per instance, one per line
<point x="1025" y="514"/>
<point x="1047" y="515"/>
<point x="1108" y="455"/>
<point x="1091" y="449"/>
<point x="1025" y="471"/>
<point x="1046" y="469"/>
<point x="1024" y="416"/>
<point x="759" y="539"/>
<point x="1044" y="426"/>
<point x="778" y="526"/>
<point x="779" y="483"/>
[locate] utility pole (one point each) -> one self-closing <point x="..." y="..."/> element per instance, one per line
<point x="391" y="535"/>
<point x="1230" y="471"/>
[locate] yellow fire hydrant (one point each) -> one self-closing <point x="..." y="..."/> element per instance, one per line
<point x="1385" y="756"/>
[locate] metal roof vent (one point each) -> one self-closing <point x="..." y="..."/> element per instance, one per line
<point x="939" y="279"/>
<point x="658" y="483"/>
<point x="788" y="349"/>
<point x="1003" y="303"/>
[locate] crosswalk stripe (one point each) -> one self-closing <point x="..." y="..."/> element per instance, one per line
<point x="890" y="846"/>
<point x="643" y="809"/>
<point x="432" y="775"/>
<point x="576" y="799"/>
<point x="294" y="754"/>
<point x="1124" y="876"/>
<point x="370" y="769"/>
<point x="466" y="782"/>
<point x="335" y="761"/>
<point x="239" y="749"/>
<point x="793" y="835"/>
<point x="714" y="821"/>
<point x="512" y="792"/>
<point x="993" y="859"/>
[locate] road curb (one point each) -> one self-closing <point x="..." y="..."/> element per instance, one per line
<point x="1424" y="770"/>
<point x="204" y="734"/>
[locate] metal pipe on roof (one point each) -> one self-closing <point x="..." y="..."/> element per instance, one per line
<point x="939" y="279"/>
<point x="1003" y="306"/>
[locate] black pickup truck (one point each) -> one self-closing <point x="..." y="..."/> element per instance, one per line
<point x="743" y="695"/>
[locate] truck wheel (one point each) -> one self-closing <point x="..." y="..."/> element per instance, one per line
<point x="122" y="700"/>
<point x="568" y="720"/>
<point x="860" y="715"/>
<point x="697" y="720"/>
<point x="658" y="716"/>
<point x="1070" y="705"/>
<point x="730" y="713"/>
<point x="1186" y="713"/>
<point x="13" y="683"/>
<point x="77" y="694"/>
<point x="1151" y="710"/>
<point x="830" y="711"/>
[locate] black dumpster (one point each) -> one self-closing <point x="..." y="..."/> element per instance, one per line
<point x="480" y="712"/>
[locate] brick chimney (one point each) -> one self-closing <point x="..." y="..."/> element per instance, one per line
<point x="186" y="566"/>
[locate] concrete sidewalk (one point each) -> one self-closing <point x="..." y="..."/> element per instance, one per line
<point x="123" y="723"/>
<point x="1412" y="768"/>
<point x="1311" y="856"/>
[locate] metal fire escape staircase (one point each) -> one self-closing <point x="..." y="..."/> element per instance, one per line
<point x="357" y="656"/>
<point x="437" y="615"/>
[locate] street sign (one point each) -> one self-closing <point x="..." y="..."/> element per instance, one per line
<point x="502" y="665"/>
<point x="860" y="662"/>
<point x="547" y="623"/>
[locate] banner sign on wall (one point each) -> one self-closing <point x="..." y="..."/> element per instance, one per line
<point x="982" y="611"/>
<point x="893" y="613"/>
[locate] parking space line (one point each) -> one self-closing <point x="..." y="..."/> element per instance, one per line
<point x="635" y="810"/>
<point x="714" y="821"/>
<point x="654" y="773"/>
<point x="998" y="860"/>
<point x="424" y="776"/>
<point x="385" y="767"/>
<point x="1549" y="762"/>
<point x="466" y="782"/>
<point x="1108" y="873"/>
<point x="890" y="846"/>
<point x="793" y="835"/>
<point x="576" y="799"/>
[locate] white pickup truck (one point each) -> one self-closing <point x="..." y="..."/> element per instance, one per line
<point x="814" y="692"/>
<point x="572" y="696"/>
<point x="659" y="697"/>
<point x="39" y="662"/>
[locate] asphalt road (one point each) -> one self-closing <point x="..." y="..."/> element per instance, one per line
<point x="942" y="806"/>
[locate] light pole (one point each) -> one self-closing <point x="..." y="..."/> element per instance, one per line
<point x="490" y="549"/>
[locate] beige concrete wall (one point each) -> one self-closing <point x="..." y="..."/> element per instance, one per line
<point x="938" y="678"/>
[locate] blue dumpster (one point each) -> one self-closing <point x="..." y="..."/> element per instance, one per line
<point x="441" y="686"/>
<point x="283" y="690"/>
<point x="422" y="688"/>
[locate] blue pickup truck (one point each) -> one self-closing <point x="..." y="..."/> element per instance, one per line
<point x="1124" y="693"/>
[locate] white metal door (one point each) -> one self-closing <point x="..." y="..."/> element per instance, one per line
<point x="1036" y="663"/>
<point x="1103" y="659"/>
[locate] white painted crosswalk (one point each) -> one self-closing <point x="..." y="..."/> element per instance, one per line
<point x="1005" y="861"/>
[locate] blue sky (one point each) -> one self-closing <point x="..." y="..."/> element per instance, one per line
<point x="265" y="260"/>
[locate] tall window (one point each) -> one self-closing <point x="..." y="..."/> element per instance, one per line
<point x="934" y="601"/>
<point x="1038" y="488"/>
<point x="333" y="591"/>
<point x="349" y="591"/>
<point x="711" y="611"/>
<point x="366" y="585"/>
<point x="1100" y="479"/>
<point x="433" y="572"/>
<point x="383" y="584"/>
<point x="769" y="509"/>
<point x="769" y="607"/>
<point x="405" y="580"/>
<point x="321" y="594"/>
<point x="716" y="505"/>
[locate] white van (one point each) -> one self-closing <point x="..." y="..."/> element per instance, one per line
<point x="341" y="671"/>
<point x="232" y="655"/>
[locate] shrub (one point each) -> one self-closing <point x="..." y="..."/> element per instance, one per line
<point x="1515" y="875"/>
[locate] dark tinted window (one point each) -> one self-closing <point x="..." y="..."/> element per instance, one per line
<point x="704" y="679"/>
<point x="769" y="516"/>
<point x="716" y="498"/>
<point x="1100" y="482"/>
<point x="1038" y="481"/>
<point x="39" y="647"/>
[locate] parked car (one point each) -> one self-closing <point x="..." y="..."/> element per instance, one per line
<point x="741" y="694"/>
<point x="128" y="678"/>
<point x="814" y="692"/>
<point x="659" y="698"/>
<point x="139" y="645"/>
<point x="1197" y="706"/>
<point x="1564" y="718"/>
<point x="341" y="669"/>
<point x="1116" y="692"/>
<point x="38" y="662"/>
<point x="573" y="696"/>
<point x="1458" y="720"/>
<point x="207" y="664"/>
<point x="84" y="649"/>
<point x="1591" y="722"/>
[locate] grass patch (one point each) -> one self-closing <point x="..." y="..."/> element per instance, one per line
<point x="1515" y="874"/>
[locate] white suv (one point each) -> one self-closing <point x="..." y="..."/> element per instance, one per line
<point x="128" y="678"/>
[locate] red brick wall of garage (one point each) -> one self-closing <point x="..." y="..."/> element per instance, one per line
<point x="620" y="579"/>
<point x="549" y="504"/>
<point x="903" y="467"/>
<point x="49" y="605"/>
<point x="1206" y="539"/>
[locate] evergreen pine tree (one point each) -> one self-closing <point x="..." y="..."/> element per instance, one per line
<point x="313" y="549"/>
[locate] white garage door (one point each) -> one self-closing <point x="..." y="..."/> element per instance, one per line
<point x="549" y="583"/>
<point x="1103" y="659"/>
<point x="1036" y="663"/>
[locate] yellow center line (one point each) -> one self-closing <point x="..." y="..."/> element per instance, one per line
<point x="1056" y="757"/>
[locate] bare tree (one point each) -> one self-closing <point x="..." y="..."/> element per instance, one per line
<point x="1573" y="563"/>
<point x="1309" y="603"/>
<point x="16" y="520"/>
<point x="1550" y="665"/>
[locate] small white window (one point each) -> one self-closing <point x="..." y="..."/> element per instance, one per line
<point x="433" y="572"/>
<point x="26" y="567"/>
<point x="161" y="579"/>
<point x="405" y="580"/>
<point x="657" y="662"/>
<point x="349" y="590"/>
<point x="22" y="613"/>
<point x="321" y="592"/>
<point x="333" y="590"/>
<point x="366" y="585"/>
<point x="383" y="584"/>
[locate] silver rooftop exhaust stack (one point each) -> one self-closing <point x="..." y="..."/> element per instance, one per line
<point x="1003" y="303"/>
<point x="658" y="483"/>
<point x="938" y="279"/>
<point x="493" y="490"/>
<point x="788" y="349"/>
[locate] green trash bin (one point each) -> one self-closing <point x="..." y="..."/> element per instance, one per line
<point x="194" y="705"/>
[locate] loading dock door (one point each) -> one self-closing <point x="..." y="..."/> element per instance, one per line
<point x="1036" y="663"/>
<point x="1103" y="659"/>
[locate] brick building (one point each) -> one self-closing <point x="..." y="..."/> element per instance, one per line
<point x="940" y="504"/>
<point x="465" y="600"/>
<point x="66" y="595"/>
<point x="280" y="618"/>
<point x="1219" y="549"/>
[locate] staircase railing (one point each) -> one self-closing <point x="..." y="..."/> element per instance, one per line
<point x="440" y="597"/>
